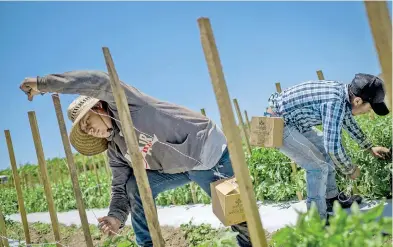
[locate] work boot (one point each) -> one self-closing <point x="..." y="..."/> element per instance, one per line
<point x="345" y="201"/>
<point x="243" y="238"/>
<point x="327" y="223"/>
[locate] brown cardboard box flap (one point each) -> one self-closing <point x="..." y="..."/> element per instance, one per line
<point x="228" y="187"/>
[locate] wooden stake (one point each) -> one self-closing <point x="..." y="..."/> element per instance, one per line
<point x="133" y="149"/>
<point x="242" y="127"/>
<point x="320" y="75"/>
<point x="39" y="178"/>
<point x="381" y="29"/>
<point x="73" y="170"/>
<point x="44" y="175"/>
<point x="54" y="173"/>
<point x="105" y="166"/>
<point x="3" y="232"/>
<point x="278" y="87"/>
<point x="293" y="165"/>
<point x="60" y="174"/>
<point x="25" y="177"/>
<point x="18" y="187"/>
<point x="247" y="120"/>
<point x="257" y="233"/>
<point x="84" y="169"/>
<point x="97" y="177"/>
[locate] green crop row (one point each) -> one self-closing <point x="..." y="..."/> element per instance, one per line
<point x="270" y="172"/>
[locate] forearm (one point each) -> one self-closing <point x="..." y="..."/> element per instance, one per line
<point x="355" y="132"/>
<point x="341" y="160"/>
<point x="119" y="205"/>
<point x="89" y="83"/>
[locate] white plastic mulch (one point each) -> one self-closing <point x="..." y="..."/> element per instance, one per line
<point x="274" y="215"/>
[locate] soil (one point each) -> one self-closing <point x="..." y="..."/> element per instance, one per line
<point x="73" y="236"/>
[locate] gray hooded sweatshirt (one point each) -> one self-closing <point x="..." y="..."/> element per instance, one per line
<point x="172" y="138"/>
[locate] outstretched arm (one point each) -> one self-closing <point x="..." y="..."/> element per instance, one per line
<point x="91" y="83"/>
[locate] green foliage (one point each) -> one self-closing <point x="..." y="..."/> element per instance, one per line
<point x="271" y="175"/>
<point x="270" y="171"/>
<point x="346" y="230"/>
<point x="205" y="236"/>
<point x="375" y="173"/>
<point x="63" y="196"/>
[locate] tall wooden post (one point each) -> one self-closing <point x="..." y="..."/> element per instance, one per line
<point x="19" y="192"/>
<point x="133" y="149"/>
<point x="242" y="127"/>
<point x="3" y="231"/>
<point x="60" y="173"/>
<point x="293" y="165"/>
<point x="97" y="176"/>
<point x="73" y="170"/>
<point x="44" y="175"/>
<point x="278" y="87"/>
<point x="247" y="120"/>
<point x="257" y="233"/>
<point x="55" y="176"/>
<point x="26" y="179"/>
<point x="381" y="29"/>
<point x="84" y="169"/>
<point x="105" y="165"/>
<point x="320" y="75"/>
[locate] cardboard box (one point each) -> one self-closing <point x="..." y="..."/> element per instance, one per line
<point x="266" y="132"/>
<point x="226" y="202"/>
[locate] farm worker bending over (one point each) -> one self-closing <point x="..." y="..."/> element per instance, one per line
<point x="178" y="145"/>
<point x="333" y="105"/>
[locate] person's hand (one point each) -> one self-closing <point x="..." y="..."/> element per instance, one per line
<point x="29" y="87"/>
<point x="355" y="174"/>
<point x="109" y="225"/>
<point x="380" y="152"/>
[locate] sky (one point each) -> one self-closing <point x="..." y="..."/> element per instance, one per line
<point x="156" y="48"/>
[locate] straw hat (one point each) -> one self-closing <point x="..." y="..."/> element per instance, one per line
<point x="85" y="144"/>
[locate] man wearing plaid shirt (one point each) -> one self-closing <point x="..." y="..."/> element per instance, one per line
<point x="332" y="105"/>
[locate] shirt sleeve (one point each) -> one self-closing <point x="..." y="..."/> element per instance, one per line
<point x="355" y="132"/>
<point x="333" y="115"/>
<point x="119" y="206"/>
<point x="91" y="83"/>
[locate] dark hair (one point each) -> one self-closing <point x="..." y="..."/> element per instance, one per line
<point x="352" y="95"/>
<point x="103" y="103"/>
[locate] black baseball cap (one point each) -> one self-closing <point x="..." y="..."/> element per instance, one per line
<point x="371" y="89"/>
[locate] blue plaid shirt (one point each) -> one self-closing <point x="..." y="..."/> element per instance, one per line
<point x="314" y="103"/>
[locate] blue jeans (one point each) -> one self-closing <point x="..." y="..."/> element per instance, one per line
<point x="160" y="182"/>
<point x="307" y="150"/>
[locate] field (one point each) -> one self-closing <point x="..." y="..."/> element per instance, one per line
<point x="270" y="171"/>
